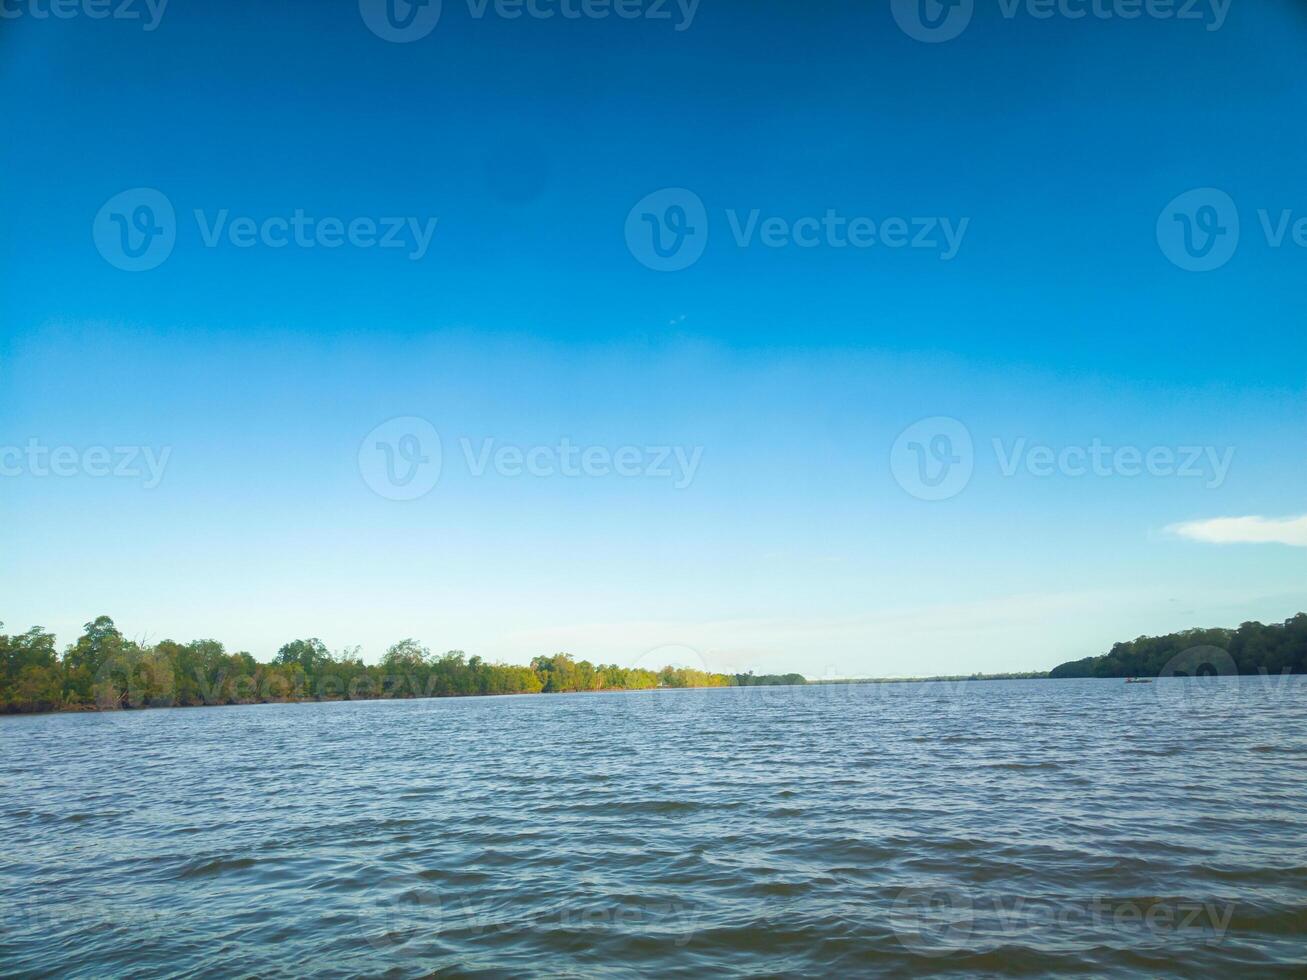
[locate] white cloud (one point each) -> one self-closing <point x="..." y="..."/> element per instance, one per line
<point x="1246" y="530"/>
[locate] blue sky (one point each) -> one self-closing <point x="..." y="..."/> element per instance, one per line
<point x="255" y="375"/>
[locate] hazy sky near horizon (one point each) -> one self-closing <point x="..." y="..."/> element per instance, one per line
<point x="667" y="304"/>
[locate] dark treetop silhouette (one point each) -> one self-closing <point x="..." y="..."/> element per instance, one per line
<point x="1251" y="649"/>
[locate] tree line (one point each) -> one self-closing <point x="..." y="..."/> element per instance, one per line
<point x="1253" y="648"/>
<point x="104" y="670"/>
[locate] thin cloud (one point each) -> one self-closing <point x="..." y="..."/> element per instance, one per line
<point x="1246" y="530"/>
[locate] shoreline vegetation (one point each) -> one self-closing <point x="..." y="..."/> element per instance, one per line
<point x="105" y="671"/>
<point x="1252" y="649"/>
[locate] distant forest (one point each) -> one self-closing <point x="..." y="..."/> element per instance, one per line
<point x="1253" y="648"/>
<point x="104" y="670"/>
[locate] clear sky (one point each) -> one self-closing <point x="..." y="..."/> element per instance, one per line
<point x="737" y="251"/>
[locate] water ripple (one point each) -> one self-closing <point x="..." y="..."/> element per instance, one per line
<point x="1007" y="828"/>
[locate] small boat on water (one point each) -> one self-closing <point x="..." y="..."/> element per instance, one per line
<point x="1137" y="680"/>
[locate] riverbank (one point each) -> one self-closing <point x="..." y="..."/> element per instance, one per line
<point x="129" y="705"/>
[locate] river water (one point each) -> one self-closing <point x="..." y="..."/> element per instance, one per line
<point x="1004" y="828"/>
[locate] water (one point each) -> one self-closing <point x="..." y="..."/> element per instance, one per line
<point x="1009" y="828"/>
